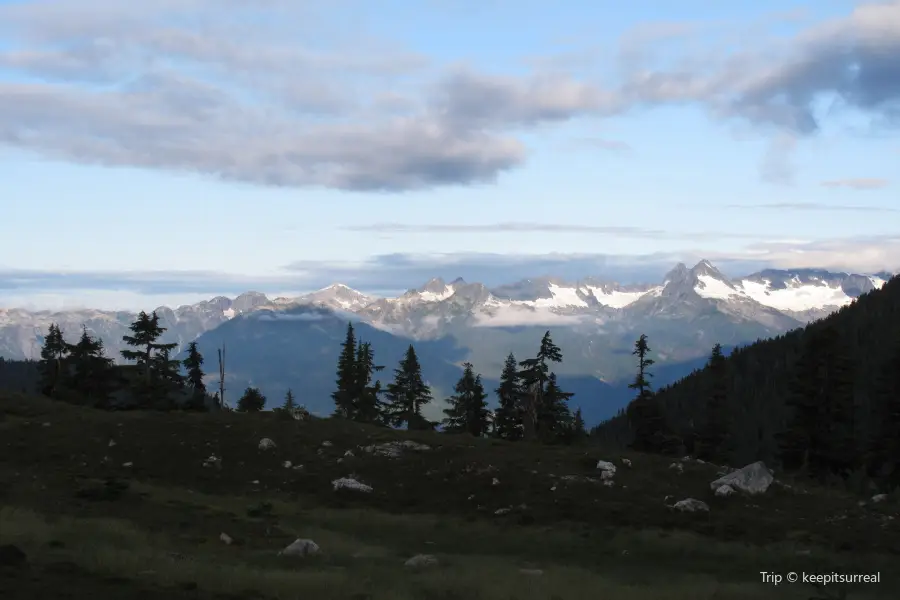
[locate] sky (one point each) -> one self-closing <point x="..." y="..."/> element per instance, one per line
<point x="164" y="152"/>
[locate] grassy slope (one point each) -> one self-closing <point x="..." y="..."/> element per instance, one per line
<point x="154" y="532"/>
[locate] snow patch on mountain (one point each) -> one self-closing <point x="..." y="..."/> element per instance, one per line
<point x="796" y="297"/>
<point x="498" y="313"/>
<point x="711" y="287"/>
<point x="560" y="297"/>
<point x="616" y="298"/>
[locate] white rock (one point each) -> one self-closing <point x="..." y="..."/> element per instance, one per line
<point x="607" y="475"/>
<point x="128" y="464"/>
<point x="495" y="481"/>
<point x="348" y="454"/>
<point x="421" y="561"/>
<point x="300" y="547"/>
<point x="626" y="462"/>
<point x="677" y="467"/>
<point x="266" y="444"/>
<point x="609" y="483"/>
<point x="350" y="484"/>
<point x="879" y="498"/>
<point x="501" y="511"/>
<point x="691" y="505"/>
<point x="755" y="478"/>
<point x="226" y="538"/>
<point x="112" y="443"/>
<point x="213" y="461"/>
<point x="327" y="444"/>
<point x="287" y="464"/>
<point x="553" y="489"/>
<point x="606" y="467"/>
<point x="724" y="491"/>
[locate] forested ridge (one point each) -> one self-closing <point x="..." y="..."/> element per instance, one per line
<point x="861" y="342"/>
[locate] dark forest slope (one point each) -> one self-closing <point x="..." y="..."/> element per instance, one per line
<point x="759" y="376"/>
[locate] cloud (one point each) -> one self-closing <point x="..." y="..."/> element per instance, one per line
<point x="857" y="184"/>
<point x="776" y="166"/>
<point x="814" y="207"/>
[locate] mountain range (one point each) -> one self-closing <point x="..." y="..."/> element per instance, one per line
<point x="293" y="342"/>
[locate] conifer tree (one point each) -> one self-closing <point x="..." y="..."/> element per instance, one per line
<point x="534" y="376"/>
<point x="147" y="331"/>
<point x="52" y="366"/>
<point x="712" y="441"/>
<point x="644" y="413"/>
<point x="347" y="377"/>
<point x="289" y="402"/>
<point x="508" y="416"/>
<point x="554" y="418"/>
<point x="407" y="394"/>
<point x="368" y="406"/>
<point x="579" y="431"/>
<point x="251" y="401"/>
<point x="468" y="411"/>
<point x="92" y="375"/>
<point x="193" y="363"/>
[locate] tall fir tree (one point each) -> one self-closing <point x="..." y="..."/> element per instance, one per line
<point x="368" y="406"/>
<point x="289" y="402"/>
<point x="92" y="376"/>
<point x="146" y="332"/>
<point x="713" y="438"/>
<point x="534" y="376"/>
<point x="508" y="416"/>
<point x="347" y="392"/>
<point x="468" y="411"/>
<point x="554" y="417"/>
<point x="645" y="416"/>
<point x="54" y="352"/>
<point x="407" y="394"/>
<point x="579" y="431"/>
<point x="252" y="400"/>
<point x="193" y="364"/>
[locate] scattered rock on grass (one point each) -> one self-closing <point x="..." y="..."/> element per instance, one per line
<point x="300" y="547"/>
<point x="755" y="478"/>
<point x="606" y="467"/>
<point x="678" y="467"/>
<point x="691" y="505"/>
<point x="350" y="484"/>
<point x="226" y="539"/>
<point x="421" y="561"/>
<point x="266" y="444"/>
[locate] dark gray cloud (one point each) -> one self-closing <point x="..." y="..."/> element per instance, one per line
<point x="857" y="184"/>
<point x="292" y="97"/>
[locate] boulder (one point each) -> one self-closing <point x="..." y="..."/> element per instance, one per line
<point x="266" y="444"/>
<point x="691" y="505"/>
<point x="879" y="498"/>
<point x="300" y="547"/>
<point x="421" y="561"/>
<point x="350" y="484"/>
<point x="606" y="467"/>
<point x="724" y="491"/>
<point x="755" y="478"/>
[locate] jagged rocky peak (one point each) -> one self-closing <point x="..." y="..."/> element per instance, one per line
<point x="471" y="293"/>
<point x="249" y="300"/>
<point x="435" y="286"/>
<point x="704" y="267"/>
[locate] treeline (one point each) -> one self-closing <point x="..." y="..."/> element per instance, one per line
<point x="823" y="401"/>
<point x="531" y="403"/>
<point x="81" y="373"/>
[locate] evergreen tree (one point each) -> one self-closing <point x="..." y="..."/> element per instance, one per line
<point x="713" y="437"/>
<point x="468" y="411"/>
<point x="508" y="416"/>
<point x="155" y="373"/>
<point x="52" y="366"/>
<point x="289" y="402"/>
<point x="368" y="405"/>
<point x="347" y="377"/>
<point x="92" y="375"/>
<point x="251" y="401"/>
<point x="194" y="366"/>
<point x="579" y="431"/>
<point x="407" y="394"/>
<point x="644" y="413"/>
<point x="554" y="418"/>
<point x="534" y="376"/>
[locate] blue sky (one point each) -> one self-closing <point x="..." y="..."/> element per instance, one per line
<point x="170" y="152"/>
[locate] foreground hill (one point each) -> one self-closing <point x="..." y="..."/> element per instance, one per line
<point x="121" y="505"/>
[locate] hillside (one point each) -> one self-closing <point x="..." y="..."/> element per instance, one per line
<point x="121" y="505"/>
<point x="759" y="375"/>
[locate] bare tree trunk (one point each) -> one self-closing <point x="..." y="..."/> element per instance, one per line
<point x="222" y="376"/>
<point x="529" y="419"/>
